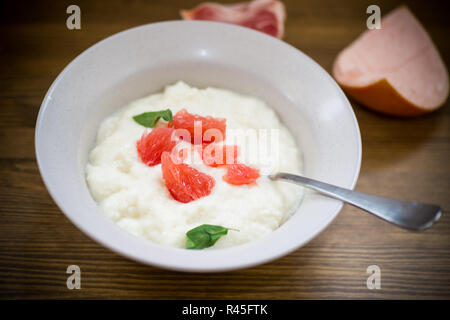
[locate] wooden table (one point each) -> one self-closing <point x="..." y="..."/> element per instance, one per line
<point x="407" y="159"/>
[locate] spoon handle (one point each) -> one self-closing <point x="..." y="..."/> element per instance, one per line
<point x="410" y="215"/>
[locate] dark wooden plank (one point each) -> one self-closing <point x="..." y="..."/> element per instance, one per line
<point x="403" y="158"/>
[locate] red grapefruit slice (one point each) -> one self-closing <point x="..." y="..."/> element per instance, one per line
<point x="188" y="121"/>
<point x="152" y="144"/>
<point x="185" y="183"/>
<point x="239" y="174"/>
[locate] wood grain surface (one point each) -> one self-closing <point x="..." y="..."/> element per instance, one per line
<point x="407" y="159"/>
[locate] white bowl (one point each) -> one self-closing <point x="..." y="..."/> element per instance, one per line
<point x="142" y="60"/>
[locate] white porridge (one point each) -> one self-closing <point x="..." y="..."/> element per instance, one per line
<point x="134" y="195"/>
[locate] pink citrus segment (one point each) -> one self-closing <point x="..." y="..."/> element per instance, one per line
<point x="185" y="120"/>
<point x="239" y="174"/>
<point x="152" y="144"/>
<point x="185" y="183"/>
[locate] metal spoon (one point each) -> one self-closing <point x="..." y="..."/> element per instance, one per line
<point x="410" y="215"/>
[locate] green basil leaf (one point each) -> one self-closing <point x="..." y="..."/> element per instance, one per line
<point x="149" y="119"/>
<point x="204" y="236"/>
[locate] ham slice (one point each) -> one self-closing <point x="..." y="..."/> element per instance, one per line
<point x="395" y="70"/>
<point x="263" y="15"/>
